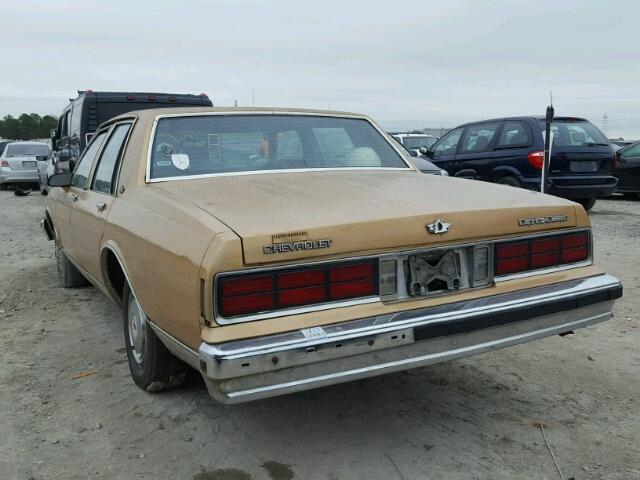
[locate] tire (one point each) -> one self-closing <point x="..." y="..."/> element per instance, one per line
<point x="68" y="275"/>
<point x="152" y="367"/>
<point x="508" y="180"/>
<point x="43" y="191"/>
<point x="587" y="203"/>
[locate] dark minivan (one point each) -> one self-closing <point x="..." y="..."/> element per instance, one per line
<point x="80" y="119"/>
<point x="511" y="151"/>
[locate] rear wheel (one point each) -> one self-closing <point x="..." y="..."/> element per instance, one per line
<point x="151" y="365"/>
<point x="587" y="203"/>
<point x="68" y="275"/>
<point x="508" y="180"/>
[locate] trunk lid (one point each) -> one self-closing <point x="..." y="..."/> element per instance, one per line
<point x="23" y="162"/>
<point x="336" y="212"/>
<point x="581" y="161"/>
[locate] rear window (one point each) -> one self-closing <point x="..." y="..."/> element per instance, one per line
<point x="576" y="133"/>
<point x="217" y="144"/>
<point x="27" y="150"/>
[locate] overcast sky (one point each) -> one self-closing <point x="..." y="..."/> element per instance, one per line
<point x="406" y="63"/>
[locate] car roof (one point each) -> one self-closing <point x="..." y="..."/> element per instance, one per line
<point x="151" y="114"/>
<point x="412" y="135"/>
<point x="523" y="117"/>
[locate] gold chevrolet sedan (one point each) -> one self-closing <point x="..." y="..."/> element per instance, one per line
<point x="280" y="250"/>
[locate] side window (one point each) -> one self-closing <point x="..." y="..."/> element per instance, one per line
<point x="632" y="152"/>
<point x="76" y="118"/>
<point x="104" y="178"/>
<point x="448" y="144"/>
<point x="64" y="125"/>
<point x="515" y="134"/>
<point x="479" y="137"/>
<point x="81" y="173"/>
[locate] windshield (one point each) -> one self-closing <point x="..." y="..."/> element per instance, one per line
<point x="214" y="144"/>
<point x="576" y="133"/>
<point x="27" y="150"/>
<point x="418" y="141"/>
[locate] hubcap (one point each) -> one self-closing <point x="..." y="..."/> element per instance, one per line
<point x="137" y="329"/>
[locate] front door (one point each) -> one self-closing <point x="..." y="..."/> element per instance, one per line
<point x="476" y="151"/>
<point x="76" y="192"/>
<point x="93" y="204"/>
<point x="628" y="168"/>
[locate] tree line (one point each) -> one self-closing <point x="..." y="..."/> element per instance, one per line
<point x="27" y="126"/>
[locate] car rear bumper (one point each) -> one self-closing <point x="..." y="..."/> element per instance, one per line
<point x="267" y="366"/>
<point x="578" y="186"/>
<point x="19" y="176"/>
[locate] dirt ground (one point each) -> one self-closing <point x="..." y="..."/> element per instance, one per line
<point x="68" y="408"/>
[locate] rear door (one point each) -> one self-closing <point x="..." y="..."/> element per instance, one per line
<point x="444" y="150"/>
<point x="628" y="168"/>
<point x="476" y="150"/>
<point x="515" y="141"/>
<point x="93" y="203"/>
<point x="68" y="201"/>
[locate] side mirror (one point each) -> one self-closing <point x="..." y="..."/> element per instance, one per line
<point x="424" y="150"/>
<point x="60" y="179"/>
<point x="52" y="133"/>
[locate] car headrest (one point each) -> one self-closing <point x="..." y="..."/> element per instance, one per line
<point x="481" y="143"/>
<point x="363" y="157"/>
<point x="578" y="137"/>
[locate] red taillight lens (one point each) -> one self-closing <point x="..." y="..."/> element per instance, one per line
<point x="247" y="294"/>
<point x="536" y="159"/>
<point x="244" y="304"/>
<point x="247" y="285"/>
<point x="4" y="163"/>
<point x="614" y="161"/>
<point x="541" y="252"/>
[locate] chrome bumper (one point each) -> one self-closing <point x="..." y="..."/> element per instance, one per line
<point x="267" y="366"/>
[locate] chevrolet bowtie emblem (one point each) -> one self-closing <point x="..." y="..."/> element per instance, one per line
<point x="438" y="227"/>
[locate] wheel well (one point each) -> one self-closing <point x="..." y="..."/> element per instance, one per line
<point x="114" y="274"/>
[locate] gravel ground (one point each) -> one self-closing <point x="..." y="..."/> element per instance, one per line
<point x="68" y="408"/>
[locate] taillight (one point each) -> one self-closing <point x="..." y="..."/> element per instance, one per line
<point x="252" y="293"/>
<point x="614" y="161"/>
<point x="536" y="159"/>
<point x="4" y="163"/>
<point x="541" y="252"/>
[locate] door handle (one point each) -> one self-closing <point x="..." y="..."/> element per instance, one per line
<point x="101" y="206"/>
<point x="74" y="197"/>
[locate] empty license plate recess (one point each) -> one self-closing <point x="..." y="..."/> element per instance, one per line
<point x="439" y="271"/>
<point x="584" y="166"/>
<point x="433" y="272"/>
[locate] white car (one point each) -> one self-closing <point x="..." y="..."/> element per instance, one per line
<point x="19" y="162"/>
<point x="415" y="141"/>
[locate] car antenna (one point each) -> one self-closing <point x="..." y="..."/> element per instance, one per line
<point x="547" y="145"/>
